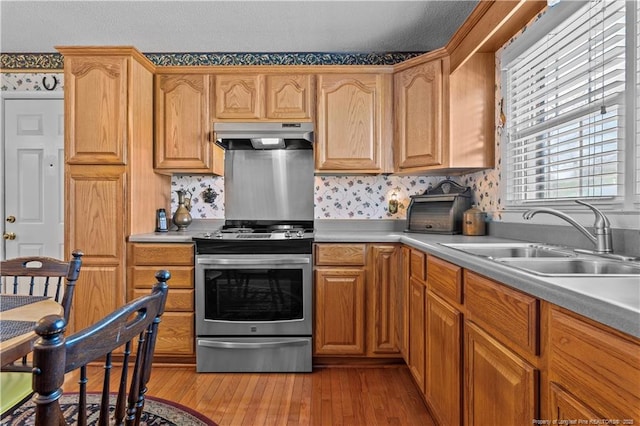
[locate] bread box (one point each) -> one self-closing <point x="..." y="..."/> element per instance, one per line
<point x="439" y="210"/>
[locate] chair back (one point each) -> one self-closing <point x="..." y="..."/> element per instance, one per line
<point x="128" y="333"/>
<point x="43" y="276"/>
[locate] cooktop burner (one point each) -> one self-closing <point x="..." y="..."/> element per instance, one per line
<point x="257" y="237"/>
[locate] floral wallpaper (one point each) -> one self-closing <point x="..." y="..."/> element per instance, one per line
<point x="22" y="82"/>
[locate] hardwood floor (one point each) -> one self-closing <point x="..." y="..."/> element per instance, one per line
<point x="366" y="396"/>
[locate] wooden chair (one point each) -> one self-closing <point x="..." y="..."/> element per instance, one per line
<point x="35" y="276"/>
<point x="132" y="328"/>
<point x="43" y="276"/>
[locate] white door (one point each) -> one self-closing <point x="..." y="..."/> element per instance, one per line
<point x="33" y="177"/>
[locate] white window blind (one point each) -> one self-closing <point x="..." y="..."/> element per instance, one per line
<point x="565" y="107"/>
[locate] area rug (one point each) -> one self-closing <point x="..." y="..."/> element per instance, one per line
<point x="156" y="412"/>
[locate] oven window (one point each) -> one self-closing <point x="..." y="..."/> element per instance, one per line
<point x="253" y="294"/>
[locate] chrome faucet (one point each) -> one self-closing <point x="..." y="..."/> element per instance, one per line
<point x="602" y="237"/>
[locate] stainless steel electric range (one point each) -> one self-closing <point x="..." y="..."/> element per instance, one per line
<point x="254" y="297"/>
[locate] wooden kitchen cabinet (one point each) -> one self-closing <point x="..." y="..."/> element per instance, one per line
<point x="355" y="293"/>
<point x="96" y="89"/>
<point x="239" y="96"/>
<point x="111" y="190"/>
<point x="276" y="97"/>
<point x="443" y="385"/>
<point x="290" y="97"/>
<point x="416" y="314"/>
<point x="594" y="371"/>
<point x="381" y="300"/>
<point x="472" y="127"/>
<point x="183" y="125"/>
<point x="176" y="334"/>
<point x="444" y="319"/>
<point x="444" y="122"/>
<point x="417" y="331"/>
<point x="483" y="352"/>
<point x="501" y="336"/>
<point x="353" y="128"/>
<point x="402" y="302"/>
<point x="340" y="311"/>
<point x="340" y="299"/>
<point x="500" y="386"/>
<point x="419" y="109"/>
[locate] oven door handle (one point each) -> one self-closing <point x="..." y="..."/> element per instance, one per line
<point x="254" y="345"/>
<point x="255" y="261"/>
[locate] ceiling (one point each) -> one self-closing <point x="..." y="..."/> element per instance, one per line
<point x="232" y="26"/>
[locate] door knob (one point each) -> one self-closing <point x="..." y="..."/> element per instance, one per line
<point x="9" y="236"/>
<point x="11" y="219"/>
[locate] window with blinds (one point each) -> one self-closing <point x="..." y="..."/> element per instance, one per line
<point x="565" y="99"/>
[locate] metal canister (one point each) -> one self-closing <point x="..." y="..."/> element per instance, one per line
<point x="473" y="221"/>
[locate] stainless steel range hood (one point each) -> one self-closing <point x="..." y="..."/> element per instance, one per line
<point x="264" y="135"/>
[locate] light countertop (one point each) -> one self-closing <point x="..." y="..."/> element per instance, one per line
<point x="613" y="301"/>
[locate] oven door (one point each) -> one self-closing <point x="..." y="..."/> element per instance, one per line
<point x="254" y="295"/>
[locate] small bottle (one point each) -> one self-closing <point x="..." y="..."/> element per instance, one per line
<point x="161" y="221"/>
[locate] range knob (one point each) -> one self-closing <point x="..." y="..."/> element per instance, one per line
<point x="287" y="234"/>
<point x="300" y="234"/>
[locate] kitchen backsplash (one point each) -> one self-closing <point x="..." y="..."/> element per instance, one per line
<point x="336" y="197"/>
<point x="348" y="197"/>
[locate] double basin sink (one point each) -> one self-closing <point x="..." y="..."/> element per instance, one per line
<point x="548" y="260"/>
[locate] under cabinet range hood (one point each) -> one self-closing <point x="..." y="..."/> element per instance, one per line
<point x="235" y="136"/>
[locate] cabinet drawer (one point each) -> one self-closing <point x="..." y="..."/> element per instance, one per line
<point x="176" y="334"/>
<point x="508" y="314"/>
<point x="444" y="279"/>
<point x="341" y="254"/>
<point x="418" y="265"/>
<point x="162" y="254"/>
<point x="594" y="363"/>
<point x="145" y="276"/>
<point x="177" y="300"/>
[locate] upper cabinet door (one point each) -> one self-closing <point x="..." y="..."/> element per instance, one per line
<point x="96" y="109"/>
<point x="354" y="112"/>
<point x="182" y="122"/>
<point x="419" y="116"/>
<point x="239" y="96"/>
<point x="289" y="97"/>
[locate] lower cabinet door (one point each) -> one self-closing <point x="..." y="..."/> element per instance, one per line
<point x="567" y="408"/>
<point x="416" y="363"/>
<point x="443" y="387"/>
<point x="340" y="312"/>
<point x="500" y="386"/>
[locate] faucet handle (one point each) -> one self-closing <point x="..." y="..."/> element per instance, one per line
<point x="602" y="221"/>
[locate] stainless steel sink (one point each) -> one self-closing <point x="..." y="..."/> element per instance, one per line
<point x="574" y="266"/>
<point x="510" y="250"/>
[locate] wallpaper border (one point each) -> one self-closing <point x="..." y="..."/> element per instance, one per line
<point x="54" y="61"/>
